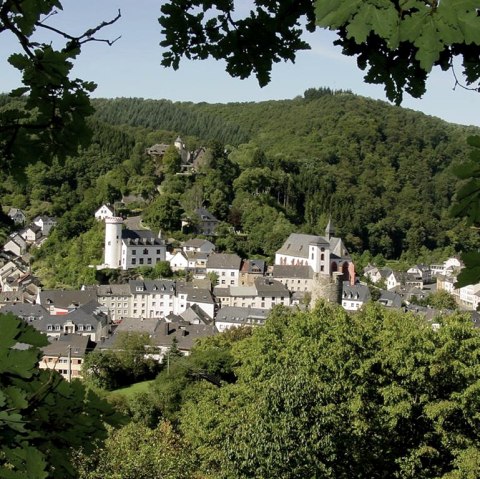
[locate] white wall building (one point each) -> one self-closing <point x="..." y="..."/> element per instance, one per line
<point x="128" y="249"/>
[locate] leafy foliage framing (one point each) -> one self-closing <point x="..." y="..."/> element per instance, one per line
<point x="46" y="116"/>
<point x="42" y="417"/>
<point x="396" y="41"/>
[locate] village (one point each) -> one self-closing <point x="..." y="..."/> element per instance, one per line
<point x="218" y="290"/>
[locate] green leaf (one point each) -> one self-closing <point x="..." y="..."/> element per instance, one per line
<point x="334" y="15"/>
<point x="470" y="274"/>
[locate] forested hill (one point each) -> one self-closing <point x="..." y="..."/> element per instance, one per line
<point x="166" y="115"/>
<point x="380" y="172"/>
<point x="315" y="125"/>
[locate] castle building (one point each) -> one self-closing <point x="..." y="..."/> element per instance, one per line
<point x="126" y="249"/>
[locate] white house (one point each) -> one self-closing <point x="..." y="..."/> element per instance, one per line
<point x="354" y="297"/>
<point x="16" y="244"/>
<point x="422" y="272"/>
<point x="31" y="233"/>
<point x="45" y="223"/>
<point x="179" y="261"/>
<point x="105" y="211"/>
<point x="226" y="267"/>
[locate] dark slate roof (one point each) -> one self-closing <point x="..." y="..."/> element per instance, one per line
<point x="146" y="325"/>
<point x="237" y="315"/>
<point x="141" y="237"/>
<point x="59" y="347"/>
<point x="292" y="271"/>
<point x="270" y="287"/>
<point x="253" y="266"/>
<point x="224" y="261"/>
<point x="113" y="290"/>
<point x="66" y="298"/>
<point x="357" y="292"/>
<point x="156" y="286"/>
<point x="195" y="243"/>
<point x="337" y="248"/>
<point x="196" y="313"/>
<point x="205" y="215"/>
<point x="390" y="299"/>
<point x="25" y="310"/>
<point x="297" y="244"/>
<point x="186" y="335"/>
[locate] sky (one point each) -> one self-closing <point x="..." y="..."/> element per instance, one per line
<point x="131" y="66"/>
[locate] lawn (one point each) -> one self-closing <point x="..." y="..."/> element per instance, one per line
<point x="133" y="389"/>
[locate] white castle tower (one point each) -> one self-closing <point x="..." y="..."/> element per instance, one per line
<point x="113" y="241"/>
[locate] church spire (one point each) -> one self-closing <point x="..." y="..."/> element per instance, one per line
<point x="329" y="230"/>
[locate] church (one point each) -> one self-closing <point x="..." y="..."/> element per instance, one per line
<point x="325" y="255"/>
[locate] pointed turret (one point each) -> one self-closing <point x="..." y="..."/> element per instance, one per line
<point x="329" y="230"/>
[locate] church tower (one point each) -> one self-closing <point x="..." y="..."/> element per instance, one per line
<point x="329" y="230"/>
<point x="113" y="241"/>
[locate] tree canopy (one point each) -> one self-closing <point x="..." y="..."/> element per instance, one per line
<point x="327" y="394"/>
<point x="397" y="42"/>
<point x="43" y="418"/>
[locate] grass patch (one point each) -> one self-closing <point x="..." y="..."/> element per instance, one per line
<point x="133" y="389"/>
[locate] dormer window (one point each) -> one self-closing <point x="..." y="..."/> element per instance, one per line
<point x="139" y="288"/>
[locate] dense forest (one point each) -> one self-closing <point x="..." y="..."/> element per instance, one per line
<point x="381" y="173"/>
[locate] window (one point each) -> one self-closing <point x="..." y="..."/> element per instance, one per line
<point x="145" y="251"/>
<point x="88" y="327"/>
<point x="57" y="327"/>
<point x="322" y="257"/>
<point x="232" y="273"/>
<point x="223" y="273"/>
<point x="158" y="251"/>
<point x="134" y="252"/>
<point x="80" y="327"/>
<point x="134" y="261"/>
<point x="149" y="260"/>
<point x="141" y="261"/>
<point x="49" y="327"/>
<point x="232" y="281"/>
<point x="223" y="281"/>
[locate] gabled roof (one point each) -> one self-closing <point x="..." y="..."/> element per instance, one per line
<point x="25" y="310"/>
<point x="237" y="315"/>
<point x="196" y="243"/>
<point x="390" y="299"/>
<point x="297" y="244"/>
<point x="156" y="286"/>
<point x="269" y="287"/>
<point x="113" y="290"/>
<point x="253" y="266"/>
<point x="66" y="298"/>
<point x="196" y="313"/>
<point x="78" y="345"/>
<point x="205" y="214"/>
<point x="141" y="237"/>
<point x="186" y="335"/>
<point x="224" y="261"/>
<point x="356" y="292"/>
<point x="292" y="271"/>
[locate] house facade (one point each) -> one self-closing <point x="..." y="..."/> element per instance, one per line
<point x="226" y="267"/>
<point x="127" y="249"/>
